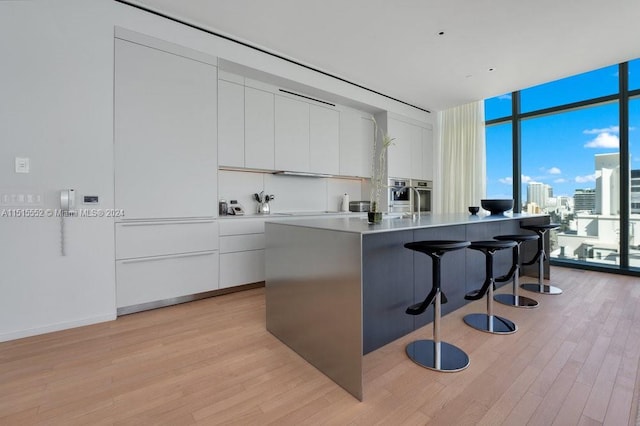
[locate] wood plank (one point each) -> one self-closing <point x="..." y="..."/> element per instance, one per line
<point x="573" y="360"/>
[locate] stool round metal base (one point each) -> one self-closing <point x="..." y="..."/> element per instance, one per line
<point x="490" y="323"/>
<point x="541" y="288"/>
<point x="515" y="301"/>
<point x="452" y="358"/>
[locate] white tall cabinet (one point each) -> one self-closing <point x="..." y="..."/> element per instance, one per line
<point x="165" y="134"/>
<point x="165" y="172"/>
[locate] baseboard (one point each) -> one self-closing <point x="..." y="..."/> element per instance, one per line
<point x="5" y="337"/>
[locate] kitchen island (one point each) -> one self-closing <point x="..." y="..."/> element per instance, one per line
<point x="337" y="288"/>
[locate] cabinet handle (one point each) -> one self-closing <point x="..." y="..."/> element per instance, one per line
<point x="170" y="256"/>
<point x="177" y="222"/>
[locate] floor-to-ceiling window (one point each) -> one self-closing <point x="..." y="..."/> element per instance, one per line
<point x="499" y="148"/>
<point x="573" y="162"/>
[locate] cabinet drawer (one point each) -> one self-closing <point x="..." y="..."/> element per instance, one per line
<point x="240" y="268"/>
<point x="150" y="279"/>
<point x="241" y="226"/>
<point x="234" y="243"/>
<point x="138" y="239"/>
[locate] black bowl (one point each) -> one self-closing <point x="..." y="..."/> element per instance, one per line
<point x="497" y="206"/>
<point x="474" y="209"/>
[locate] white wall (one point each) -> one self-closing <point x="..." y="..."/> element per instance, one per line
<point x="56" y="86"/>
<point x="56" y="109"/>
<point x="56" y="81"/>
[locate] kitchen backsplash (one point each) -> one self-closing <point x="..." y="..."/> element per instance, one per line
<point x="293" y="193"/>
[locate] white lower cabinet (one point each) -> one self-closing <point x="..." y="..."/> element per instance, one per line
<point x="243" y="267"/>
<point x="144" y="239"/>
<point x="241" y="252"/>
<point x="161" y="260"/>
<point x="149" y="279"/>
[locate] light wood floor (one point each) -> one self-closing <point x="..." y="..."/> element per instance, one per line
<point x="574" y="360"/>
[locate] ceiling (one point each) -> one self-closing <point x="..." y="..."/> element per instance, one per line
<point x="487" y="47"/>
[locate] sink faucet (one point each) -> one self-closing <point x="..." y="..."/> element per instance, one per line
<point x="414" y="215"/>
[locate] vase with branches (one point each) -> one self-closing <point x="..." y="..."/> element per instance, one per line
<point x="381" y="142"/>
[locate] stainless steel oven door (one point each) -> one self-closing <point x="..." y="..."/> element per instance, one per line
<point x="425" y="188"/>
<point x="399" y="195"/>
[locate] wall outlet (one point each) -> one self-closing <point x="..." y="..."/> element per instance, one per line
<point x="22" y="165"/>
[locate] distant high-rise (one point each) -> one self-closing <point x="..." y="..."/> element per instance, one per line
<point x="635" y="191"/>
<point x="538" y="194"/>
<point x="607" y="183"/>
<point x="584" y="200"/>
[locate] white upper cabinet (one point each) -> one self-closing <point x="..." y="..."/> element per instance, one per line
<point x="356" y="144"/>
<point x="427" y="154"/>
<point x="165" y="134"/>
<point x="291" y="134"/>
<point x="245" y="126"/>
<point x="263" y="130"/>
<point x="259" y="129"/>
<point x="324" y="135"/>
<point x="411" y="155"/>
<point x="417" y="165"/>
<point x="399" y="153"/>
<point x="365" y="145"/>
<point x="231" y="122"/>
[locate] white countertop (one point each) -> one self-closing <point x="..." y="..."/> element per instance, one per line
<point x="360" y="225"/>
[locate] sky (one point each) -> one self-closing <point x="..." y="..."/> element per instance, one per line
<point x="559" y="149"/>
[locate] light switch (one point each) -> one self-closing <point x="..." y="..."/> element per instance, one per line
<point x="22" y="165"/>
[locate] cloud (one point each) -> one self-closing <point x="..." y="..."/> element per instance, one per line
<point x="604" y="140"/>
<point x="554" y="171"/>
<point x="505" y="97"/>
<point x="509" y="180"/>
<point x="561" y="180"/>
<point x="610" y="129"/>
<point x="586" y="178"/>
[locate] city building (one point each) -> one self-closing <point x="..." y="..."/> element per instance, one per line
<point x="538" y="194"/>
<point x="607" y="171"/>
<point x="635" y="191"/>
<point x="584" y="200"/>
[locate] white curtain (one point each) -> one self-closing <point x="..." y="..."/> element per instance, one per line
<point x="462" y="165"/>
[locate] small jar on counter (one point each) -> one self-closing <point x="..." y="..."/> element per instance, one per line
<point x="222" y="208"/>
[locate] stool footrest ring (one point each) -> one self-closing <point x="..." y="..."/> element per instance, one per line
<point x="419" y="308"/>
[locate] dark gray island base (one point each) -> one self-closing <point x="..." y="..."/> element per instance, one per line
<point x="338" y="288"/>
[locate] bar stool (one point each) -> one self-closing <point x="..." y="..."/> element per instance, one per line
<point x="435" y="354"/>
<point x="488" y="322"/>
<point x="514" y="274"/>
<point x="540" y="257"/>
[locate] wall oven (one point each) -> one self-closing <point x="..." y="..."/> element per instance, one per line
<point x="399" y="195"/>
<point x="425" y="188"/>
